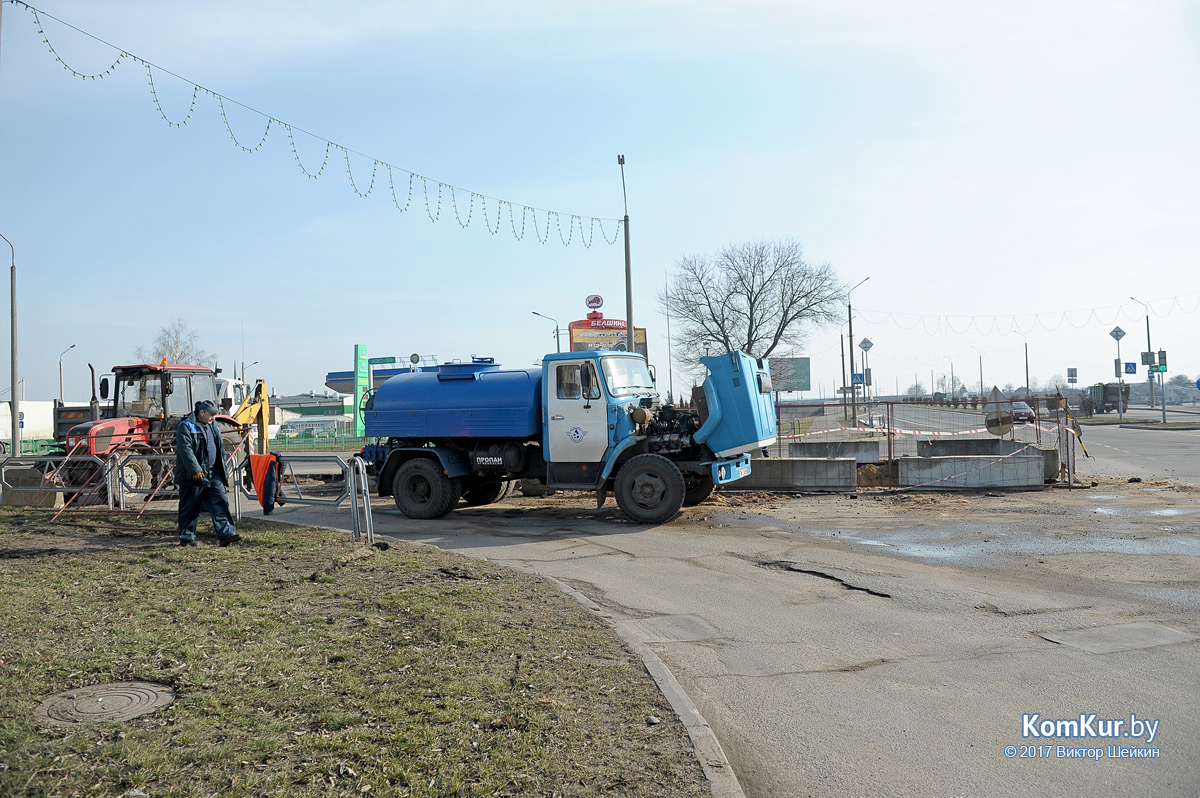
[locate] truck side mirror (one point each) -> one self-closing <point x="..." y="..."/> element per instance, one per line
<point x="104" y="387"/>
<point x="654" y="375"/>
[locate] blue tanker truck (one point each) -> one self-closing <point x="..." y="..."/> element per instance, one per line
<point x="584" y="421"/>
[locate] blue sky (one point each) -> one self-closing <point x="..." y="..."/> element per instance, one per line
<point x="1001" y="162"/>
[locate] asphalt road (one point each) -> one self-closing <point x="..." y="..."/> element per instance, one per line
<point x="844" y="647"/>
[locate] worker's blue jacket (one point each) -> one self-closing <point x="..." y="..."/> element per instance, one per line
<point x="191" y="453"/>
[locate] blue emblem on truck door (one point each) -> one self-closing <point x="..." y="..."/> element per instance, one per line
<point x="576" y="434"/>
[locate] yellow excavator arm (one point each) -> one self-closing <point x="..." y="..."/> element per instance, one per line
<point x="256" y="410"/>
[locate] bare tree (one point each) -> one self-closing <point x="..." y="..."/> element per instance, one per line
<point x="754" y="297"/>
<point x="915" y="391"/>
<point x="178" y="343"/>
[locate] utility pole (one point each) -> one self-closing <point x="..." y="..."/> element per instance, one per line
<point x="1149" y="349"/>
<point x="850" y="317"/>
<point x="628" y="269"/>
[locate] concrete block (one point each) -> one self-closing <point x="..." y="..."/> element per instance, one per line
<point x="981" y="447"/>
<point x="861" y="451"/>
<point x="942" y="473"/>
<point x="29" y="478"/>
<point x="800" y="473"/>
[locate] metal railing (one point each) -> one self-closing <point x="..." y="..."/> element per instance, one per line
<point x="125" y="474"/>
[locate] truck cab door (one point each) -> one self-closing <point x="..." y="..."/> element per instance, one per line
<point x="576" y="423"/>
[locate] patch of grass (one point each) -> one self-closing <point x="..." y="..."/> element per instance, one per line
<point x="305" y="665"/>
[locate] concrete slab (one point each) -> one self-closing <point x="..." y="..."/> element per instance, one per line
<point x="801" y="473"/>
<point x="941" y="473"/>
<point x="861" y="451"/>
<point x="1122" y="637"/>
<point x="29" y="478"/>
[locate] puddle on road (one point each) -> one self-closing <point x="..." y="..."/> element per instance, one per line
<point x="947" y="545"/>
<point x="1172" y="511"/>
<point x="1107" y="497"/>
<point x="1106" y="510"/>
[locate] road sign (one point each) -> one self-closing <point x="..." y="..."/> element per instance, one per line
<point x="856" y="379"/>
<point x="414" y="358"/>
<point x="865" y="345"/>
<point x="375" y="361"/>
<point x="1131" y="368"/>
<point x="1072" y="375"/>
<point x="1198" y="385"/>
<point x="790" y="373"/>
<point x="998" y="414"/>
<point x="1117" y="333"/>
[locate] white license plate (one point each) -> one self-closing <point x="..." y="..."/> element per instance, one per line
<point x="742" y="472"/>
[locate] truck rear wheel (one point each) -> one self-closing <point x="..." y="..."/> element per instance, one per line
<point x="650" y="489"/>
<point x="480" y="492"/>
<point x="698" y="491"/>
<point x="422" y="490"/>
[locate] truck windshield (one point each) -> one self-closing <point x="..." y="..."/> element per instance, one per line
<point x="139" y="395"/>
<point x="627" y="376"/>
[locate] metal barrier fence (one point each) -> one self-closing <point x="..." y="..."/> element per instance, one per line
<point x="885" y="437"/>
<point x="120" y="479"/>
<point x="306" y="443"/>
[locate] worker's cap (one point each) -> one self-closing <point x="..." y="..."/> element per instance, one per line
<point x="207" y="406"/>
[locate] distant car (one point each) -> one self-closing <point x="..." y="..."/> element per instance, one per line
<point x="1022" y="413"/>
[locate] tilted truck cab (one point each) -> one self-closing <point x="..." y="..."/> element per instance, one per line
<point x="584" y="421"/>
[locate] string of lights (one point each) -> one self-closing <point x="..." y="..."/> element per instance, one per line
<point x="529" y="213"/>
<point x="1024" y="324"/>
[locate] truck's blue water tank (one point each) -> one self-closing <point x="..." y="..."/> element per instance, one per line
<point x="462" y="400"/>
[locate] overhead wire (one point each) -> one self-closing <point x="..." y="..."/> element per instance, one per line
<point x="529" y="213"/>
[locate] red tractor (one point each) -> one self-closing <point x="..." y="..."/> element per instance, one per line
<point x="142" y="406"/>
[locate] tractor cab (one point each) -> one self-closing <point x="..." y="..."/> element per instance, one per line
<point x="164" y="391"/>
<point x="143" y="404"/>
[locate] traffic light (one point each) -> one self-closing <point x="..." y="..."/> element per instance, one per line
<point x="1162" y="360"/>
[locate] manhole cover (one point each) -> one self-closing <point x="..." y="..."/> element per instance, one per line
<point x="116" y="701"/>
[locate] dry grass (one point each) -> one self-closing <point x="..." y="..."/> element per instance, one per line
<point x="308" y="666"/>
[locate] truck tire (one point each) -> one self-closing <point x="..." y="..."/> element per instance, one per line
<point x="698" y="491"/>
<point x="477" y="493"/>
<point x="650" y="489"/>
<point x="422" y="490"/>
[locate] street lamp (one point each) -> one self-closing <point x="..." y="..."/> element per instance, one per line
<point x="244" y="367"/>
<point x="977" y="349"/>
<point x="557" y="339"/>
<point x="15" y="448"/>
<point x="61" y="400"/>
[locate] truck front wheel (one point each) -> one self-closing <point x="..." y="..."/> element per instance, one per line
<point x="650" y="489"/>
<point x="422" y="490"/>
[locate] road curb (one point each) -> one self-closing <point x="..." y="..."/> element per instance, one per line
<point x="721" y="778"/>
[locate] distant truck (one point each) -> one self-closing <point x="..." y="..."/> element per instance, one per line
<point x="583" y="421"/>
<point x="1106" y="396"/>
